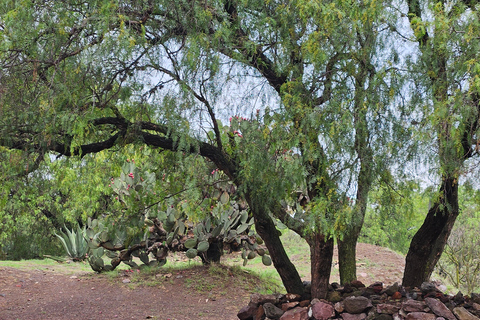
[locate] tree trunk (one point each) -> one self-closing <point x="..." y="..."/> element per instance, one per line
<point x="266" y="229"/>
<point x="428" y="243"/>
<point x="347" y="256"/>
<point x="347" y="245"/>
<point x="321" y="256"/>
<point x="214" y="252"/>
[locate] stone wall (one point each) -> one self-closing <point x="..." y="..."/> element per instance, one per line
<point x="357" y="302"/>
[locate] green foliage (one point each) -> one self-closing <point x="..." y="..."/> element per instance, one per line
<point x="394" y="215"/>
<point x="74" y="242"/>
<point x="460" y="262"/>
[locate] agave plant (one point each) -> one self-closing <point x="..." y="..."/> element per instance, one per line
<point x="74" y="242"/>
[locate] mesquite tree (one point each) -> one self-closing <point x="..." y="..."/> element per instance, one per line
<point x="447" y="75"/>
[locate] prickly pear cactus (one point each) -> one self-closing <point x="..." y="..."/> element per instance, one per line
<point x="147" y="237"/>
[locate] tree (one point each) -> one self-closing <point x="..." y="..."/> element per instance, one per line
<point x="448" y="75"/>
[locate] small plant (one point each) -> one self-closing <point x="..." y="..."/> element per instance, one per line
<point x="74" y="243"/>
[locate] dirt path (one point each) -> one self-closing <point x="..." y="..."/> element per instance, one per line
<point x="197" y="293"/>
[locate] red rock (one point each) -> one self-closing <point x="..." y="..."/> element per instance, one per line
<point x="387" y="308"/>
<point x="439" y="309"/>
<point x="260" y="314"/>
<point x="289" y="305"/>
<point x="397" y="295"/>
<point x="247" y="312"/>
<point x="357" y="284"/>
<point x="304" y="303"/>
<point x="297" y="313"/>
<point x="377" y="287"/>
<point x="323" y="310"/>
<point x="349" y="316"/>
<point x="420" y="316"/>
<point x="414" y="306"/>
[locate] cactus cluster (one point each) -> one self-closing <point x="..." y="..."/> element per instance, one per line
<point x="158" y="233"/>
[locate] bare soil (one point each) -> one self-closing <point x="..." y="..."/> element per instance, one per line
<point x="196" y="293"/>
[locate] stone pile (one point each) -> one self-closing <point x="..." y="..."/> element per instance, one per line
<point x="354" y="301"/>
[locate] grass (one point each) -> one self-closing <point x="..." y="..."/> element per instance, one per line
<point x="255" y="277"/>
<point x="297" y="249"/>
<point x="67" y="268"/>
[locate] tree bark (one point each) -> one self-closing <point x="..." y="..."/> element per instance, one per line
<point x="266" y="229"/>
<point x="428" y="243"/>
<point x="347" y="255"/>
<point x="348" y="244"/>
<point x="321" y="256"/>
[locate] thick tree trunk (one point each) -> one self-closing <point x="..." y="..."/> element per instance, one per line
<point x="321" y="256"/>
<point x="348" y="244"/>
<point x="285" y="268"/>
<point x="428" y="243"/>
<point x="347" y="256"/>
<point x="266" y="229"/>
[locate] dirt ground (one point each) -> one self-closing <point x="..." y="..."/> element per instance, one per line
<point x="184" y="295"/>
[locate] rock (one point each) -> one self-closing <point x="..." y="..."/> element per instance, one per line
<point x="397" y="316"/>
<point x="459" y="299"/>
<point x="442" y="288"/>
<point x="377" y="287"/>
<point x="475" y="297"/>
<point x="339" y="307"/>
<point x="297" y="313"/>
<point x="356" y="304"/>
<point x="323" y="310"/>
<point x="463" y="314"/>
<point x="247" y="312"/>
<point x="392" y="289"/>
<point x="304" y="303"/>
<point x="420" y="316"/>
<point x="427" y="287"/>
<point x="126" y="281"/>
<point x="308" y="286"/>
<point x="292" y="297"/>
<point x="387" y="308"/>
<point x="357" y="284"/>
<point x="349" y="316"/>
<point x="414" y="306"/>
<point x="271" y="311"/>
<point x="258" y="299"/>
<point x="289" y="305"/>
<point x="396" y="295"/>
<point x="347" y="288"/>
<point x="259" y="314"/>
<point x="334" y="296"/>
<point x="384" y="316"/>
<point x="439" y="308"/>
